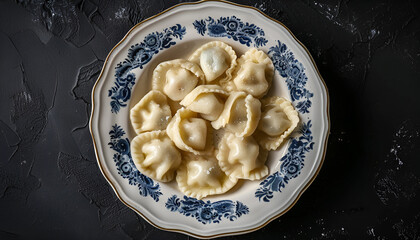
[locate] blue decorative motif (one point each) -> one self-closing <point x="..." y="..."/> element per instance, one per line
<point x="121" y="92"/>
<point x="207" y="212"/>
<point x="126" y="167"/>
<point x="292" y="164"/>
<point x="285" y="63"/>
<point x="231" y="27"/>
<point x="138" y="56"/>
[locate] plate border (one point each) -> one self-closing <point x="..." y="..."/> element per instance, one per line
<point x="227" y="233"/>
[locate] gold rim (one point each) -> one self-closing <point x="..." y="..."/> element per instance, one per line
<point x="228" y="233"/>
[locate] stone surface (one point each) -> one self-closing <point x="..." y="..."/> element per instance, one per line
<point x="368" y="53"/>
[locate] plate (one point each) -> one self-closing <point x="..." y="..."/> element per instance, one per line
<point x="175" y="33"/>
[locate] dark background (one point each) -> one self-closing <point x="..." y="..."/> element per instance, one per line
<point x="52" y="52"/>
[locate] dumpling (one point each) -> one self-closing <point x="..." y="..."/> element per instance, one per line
<point x="200" y="176"/>
<point x="208" y="100"/>
<point x="216" y="59"/>
<point x="177" y="78"/>
<point x="151" y="113"/>
<point x="278" y="120"/>
<point x="253" y="75"/>
<point x="242" y="157"/>
<point x="155" y="155"/>
<point x="240" y="115"/>
<point x="190" y="133"/>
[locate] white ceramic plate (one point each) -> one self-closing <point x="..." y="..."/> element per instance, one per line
<point x="175" y="33"/>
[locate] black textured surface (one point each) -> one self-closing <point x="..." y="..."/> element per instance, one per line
<point x="52" y="52"/>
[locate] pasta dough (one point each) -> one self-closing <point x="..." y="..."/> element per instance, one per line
<point x="240" y="115"/>
<point x="190" y="133"/>
<point x="242" y="157"/>
<point x="216" y="59"/>
<point x="200" y="176"/>
<point x="278" y="120"/>
<point x="151" y="113"/>
<point x="204" y="121"/>
<point x="155" y="155"/>
<point x="253" y="75"/>
<point x="177" y="78"/>
<point x="208" y="100"/>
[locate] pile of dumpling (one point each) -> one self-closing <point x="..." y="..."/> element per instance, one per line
<point x="205" y="122"/>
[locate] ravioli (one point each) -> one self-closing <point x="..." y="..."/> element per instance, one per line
<point x="151" y="113"/>
<point x="190" y="133"/>
<point x="208" y="100"/>
<point x="177" y="78"/>
<point x="253" y="75"/>
<point x="278" y="120"/>
<point x="155" y="155"/>
<point x="242" y="157"/>
<point x="204" y="123"/>
<point x="216" y="59"/>
<point x="240" y="115"/>
<point x="200" y="176"/>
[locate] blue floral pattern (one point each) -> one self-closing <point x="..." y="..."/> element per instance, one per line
<point x="207" y="212"/>
<point x="232" y="27"/>
<point x="138" y="56"/>
<point x="121" y="92"/>
<point x="290" y="68"/>
<point x="293" y="162"/>
<point x="126" y="167"/>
